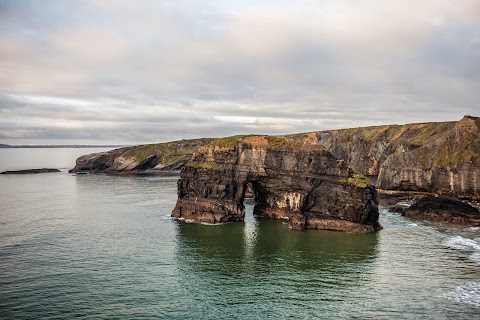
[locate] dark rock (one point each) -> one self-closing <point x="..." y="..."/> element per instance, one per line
<point x="302" y="183"/>
<point x="443" y="209"/>
<point x="397" y="209"/>
<point x="30" y="171"/>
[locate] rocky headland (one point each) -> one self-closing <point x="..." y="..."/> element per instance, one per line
<point x="160" y="158"/>
<point x="438" y="158"/>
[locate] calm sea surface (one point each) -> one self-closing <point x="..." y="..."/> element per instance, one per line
<point x="97" y="246"/>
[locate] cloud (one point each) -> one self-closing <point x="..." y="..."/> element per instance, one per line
<point x="149" y="71"/>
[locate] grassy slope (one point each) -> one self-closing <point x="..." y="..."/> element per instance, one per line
<point x="417" y="134"/>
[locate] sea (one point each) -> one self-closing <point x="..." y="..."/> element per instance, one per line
<point x="105" y="247"/>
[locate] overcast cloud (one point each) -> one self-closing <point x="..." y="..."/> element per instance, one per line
<point x="150" y="71"/>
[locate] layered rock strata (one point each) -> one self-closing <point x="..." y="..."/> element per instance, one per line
<point x="436" y="157"/>
<point x="149" y="158"/>
<point x="302" y="183"/>
<point x="448" y="165"/>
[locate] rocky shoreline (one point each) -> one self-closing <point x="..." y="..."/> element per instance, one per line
<point x="405" y="163"/>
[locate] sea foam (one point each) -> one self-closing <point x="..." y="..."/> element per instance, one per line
<point x="467" y="293"/>
<point x="461" y="243"/>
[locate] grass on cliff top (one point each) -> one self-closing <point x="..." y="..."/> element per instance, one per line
<point x="170" y="151"/>
<point x="227" y="142"/>
<point x="357" y="180"/>
<point x="417" y="133"/>
<point x="262" y="141"/>
<point x="204" y="165"/>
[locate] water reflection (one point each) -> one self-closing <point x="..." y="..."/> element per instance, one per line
<point x="262" y="264"/>
<point x="269" y="242"/>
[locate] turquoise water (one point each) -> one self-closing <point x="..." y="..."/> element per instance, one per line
<point x="104" y="247"/>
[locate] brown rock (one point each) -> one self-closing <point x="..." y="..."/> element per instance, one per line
<point x="304" y="184"/>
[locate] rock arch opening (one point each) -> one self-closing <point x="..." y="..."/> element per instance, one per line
<point x="310" y="188"/>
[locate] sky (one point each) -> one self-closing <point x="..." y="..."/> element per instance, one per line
<point x="130" y="72"/>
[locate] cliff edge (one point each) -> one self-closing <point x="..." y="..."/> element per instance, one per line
<point x="300" y="182"/>
<point x="435" y="157"/>
<point x="148" y="158"/>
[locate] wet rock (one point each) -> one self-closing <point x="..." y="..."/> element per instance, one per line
<point x="31" y="171"/>
<point x="443" y="209"/>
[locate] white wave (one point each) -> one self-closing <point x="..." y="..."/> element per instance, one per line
<point x="212" y="224"/>
<point x="404" y="204"/>
<point x="461" y="243"/>
<point x="467" y="293"/>
<point x="475" y="257"/>
<point x="473" y="229"/>
<point x="413" y="224"/>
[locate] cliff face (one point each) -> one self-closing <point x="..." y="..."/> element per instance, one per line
<point x="447" y="165"/>
<point x="365" y="149"/>
<point x="438" y="157"/>
<point x="300" y="182"/>
<point x="149" y="158"/>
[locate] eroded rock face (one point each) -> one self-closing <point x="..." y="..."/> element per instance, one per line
<point x="448" y="165"/>
<point x="168" y="157"/>
<point x="304" y="184"/>
<point x="365" y="149"/>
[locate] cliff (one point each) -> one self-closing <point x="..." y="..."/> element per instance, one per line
<point x="365" y="149"/>
<point x="437" y="157"/>
<point x="449" y="164"/>
<point x="291" y="180"/>
<point x="149" y="158"/>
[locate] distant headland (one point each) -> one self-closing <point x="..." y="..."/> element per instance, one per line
<point x="60" y="146"/>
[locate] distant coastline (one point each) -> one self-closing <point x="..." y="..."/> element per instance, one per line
<point x="62" y="146"/>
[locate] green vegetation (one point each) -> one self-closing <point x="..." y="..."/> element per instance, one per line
<point x="357" y="180"/>
<point x="456" y="157"/>
<point x="227" y="142"/>
<point x="425" y="159"/>
<point x="169" y="152"/>
<point x="142" y="152"/>
<point x="431" y="131"/>
<point x="204" y="165"/>
<point x="276" y="143"/>
<point x="251" y="141"/>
